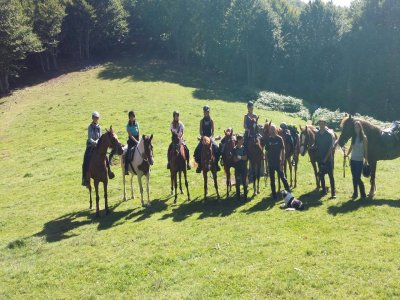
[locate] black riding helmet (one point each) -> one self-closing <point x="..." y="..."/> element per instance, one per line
<point x="206" y="108"/>
<point x="175" y="113"/>
<point x="250" y="104"/>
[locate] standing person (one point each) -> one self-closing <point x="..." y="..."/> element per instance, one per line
<point x="240" y="158"/>
<point x="359" y="152"/>
<point x="206" y="129"/>
<point x="94" y="134"/>
<point x="324" y="154"/>
<point x="132" y="128"/>
<point x="276" y="159"/>
<point x="177" y="127"/>
<point x="247" y="122"/>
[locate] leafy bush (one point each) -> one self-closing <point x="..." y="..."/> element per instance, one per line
<point x="276" y="102"/>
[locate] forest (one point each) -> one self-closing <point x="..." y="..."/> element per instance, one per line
<point x="346" y="58"/>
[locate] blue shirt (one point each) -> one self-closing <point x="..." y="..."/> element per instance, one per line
<point x="133" y="129"/>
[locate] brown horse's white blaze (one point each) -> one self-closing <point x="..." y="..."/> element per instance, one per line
<point x="98" y="168"/>
<point x="139" y="166"/>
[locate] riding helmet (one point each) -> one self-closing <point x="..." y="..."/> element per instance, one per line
<point x="250" y="104"/>
<point x="175" y="113"/>
<point x="206" y="108"/>
<point x="95" y="114"/>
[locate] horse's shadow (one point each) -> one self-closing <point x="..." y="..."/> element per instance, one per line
<point x="265" y="204"/>
<point x="211" y="207"/>
<point x="311" y="199"/>
<point x="61" y="227"/>
<point x="350" y="205"/>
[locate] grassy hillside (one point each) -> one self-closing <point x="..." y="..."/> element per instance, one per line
<point x="51" y="246"/>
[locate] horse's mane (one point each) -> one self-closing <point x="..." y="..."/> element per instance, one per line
<point x="364" y="123"/>
<point x="100" y="141"/>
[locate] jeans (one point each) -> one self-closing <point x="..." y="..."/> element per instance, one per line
<point x="356" y="170"/>
<point x="326" y="168"/>
<point x="241" y="179"/>
<point x="281" y="176"/>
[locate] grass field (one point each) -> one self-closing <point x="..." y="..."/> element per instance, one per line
<point x="52" y="247"/>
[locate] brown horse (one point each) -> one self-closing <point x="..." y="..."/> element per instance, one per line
<point x="255" y="154"/>
<point x="208" y="164"/>
<point x="291" y="153"/>
<point x="98" y="168"/>
<point x="307" y="144"/>
<point x="227" y="157"/>
<point x="381" y="146"/>
<point x="177" y="161"/>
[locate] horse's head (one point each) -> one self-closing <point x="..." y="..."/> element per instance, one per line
<point x="206" y="152"/>
<point x="230" y="142"/>
<point x="304" y="140"/>
<point x="253" y="126"/>
<point x="175" y="138"/>
<point x="148" y="149"/>
<point x="347" y="126"/>
<point x="267" y="126"/>
<point x="114" y="143"/>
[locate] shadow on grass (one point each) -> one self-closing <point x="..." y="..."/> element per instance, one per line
<point x="350" y="205"/>
<point x="211" y="207"/>
<point x="209" y="85"/>
<point x="266" y="203"/>
<point x="311" y="199"/>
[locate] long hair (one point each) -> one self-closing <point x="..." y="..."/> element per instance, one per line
<point x="131" y="113"/>
<point x="362" y="136"/>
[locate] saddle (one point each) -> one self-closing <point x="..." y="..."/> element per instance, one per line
<point x="390" y="138"/>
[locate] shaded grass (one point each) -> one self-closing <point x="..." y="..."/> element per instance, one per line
<point x="50" y="245"/>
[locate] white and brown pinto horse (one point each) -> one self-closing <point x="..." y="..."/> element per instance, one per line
<point x="139" y="166"/>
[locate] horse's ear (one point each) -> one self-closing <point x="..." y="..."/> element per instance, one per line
<point x="231" y="132"/>
<point x="111" y="130"/>
<point x="301" y="128"/>
<point x="143" y="136"/>
<point x="224" y="132"/>
<point x="270" y="122"/>
<point x="350" y="116"/>
<point x="257" y="118"/>
<point x="151" y="137"/>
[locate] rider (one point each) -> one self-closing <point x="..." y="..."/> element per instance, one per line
<point x="94" y="134"/>
<point x="177" y="127"/>
<point x="133" y="138"/>
<point x="248" y="118"/>
<point x="206" y="129"/>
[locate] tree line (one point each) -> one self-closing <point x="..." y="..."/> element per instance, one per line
<point x="335" y="57"/>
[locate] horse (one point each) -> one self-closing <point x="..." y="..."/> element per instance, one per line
<point x="255" y="154"/>
<point x="227" y="157"/>
<point x="177" y="161"/>
<point x="208" y="164"/>
<point x="382" y="144"/>
<point x="139" y="166"/>
<point x="307" y="144"/>
<point x="98" y="169"/>
<point x="291" y="153"/>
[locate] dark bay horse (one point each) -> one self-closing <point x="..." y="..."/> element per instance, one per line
<point x="208" y="164"/>
<point x="291" y="153"/>
<point x="98" y="168"/>
<point x="381" y="146"/>
<point x="227" y="157"/>
<point x="177" y="161"/>
<point x="307" y="144"/>
<point x="255" y="154"/>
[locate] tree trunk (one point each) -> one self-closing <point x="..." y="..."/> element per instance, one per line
<point x="42" y="62"/>
<point x="87" y="45"/>
<point x="54" y="57"/>
<point x="47" y="61"/>
<point x="80" y="47"/>
<point x="4" y="84"/>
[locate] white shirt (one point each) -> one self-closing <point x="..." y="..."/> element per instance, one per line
<point x="178" y="130"/>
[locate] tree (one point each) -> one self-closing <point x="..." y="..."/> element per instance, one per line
<point x="16" y="40"/>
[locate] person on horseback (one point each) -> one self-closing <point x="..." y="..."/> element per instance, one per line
<point x="276" y="158"/>
<point x="247" y="123"/>
<point x="359" y="153"/>
<point x="287" y="133"/>
<point x="177" y="127"/>
<point x="206" y="129"/>
<point x="94" y="134"/>
<point x="240" y="159"/>
<point x="324" y="144"/>
<point x="132" y="128"/>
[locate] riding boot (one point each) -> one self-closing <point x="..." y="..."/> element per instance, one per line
<point x="126" y="166"/>
<point x="217" y="167"/>
<point x="245" y="192"/>
<point x="237" y="191"/>
<point x="362" y="190"/>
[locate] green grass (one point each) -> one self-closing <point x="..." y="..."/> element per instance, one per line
<point x="52" y="247"/>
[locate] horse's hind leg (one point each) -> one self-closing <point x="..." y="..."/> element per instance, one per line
<point x="175" y="182"/>
<point x="105" y="197"/>
<point x="132" y="195"/>
<point x="186" y="184"/>
<point x="96" y="187"/>
<point x="258" y="179"/>
<point x="216" y="183"/>
<point x="373" y="176"/>
<point x="172" y="182"/>
<point x="180" y="182"/>
<point x="205" y="184"/>
<point x="90" y="195"/>
<point x="228" y="180"/>
<point x="148" y="188"/>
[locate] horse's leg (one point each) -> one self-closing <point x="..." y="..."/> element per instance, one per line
<point x="180" y="181"/>
<point x="253" y="167"/>
<point x="186" y="184"/>
<point x="132" y="195"/>
<point x="373" y="176"/>
<point x="172" y="182"/>
<point x="148" y="188"/>
<point x="105" y="197"/>
<point x="96" y="187"/>
<point x="215" y="183"/>
<point x="140" y="188"/>
<point x="258" y="177"/>
<point x="228" y="179"/>
<point x="175" y="179"/>
<point x="314" y="165"/>
<point x="90" y="195"/>
<point x="123" y="182"/>
<point x="205" y="183"/>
